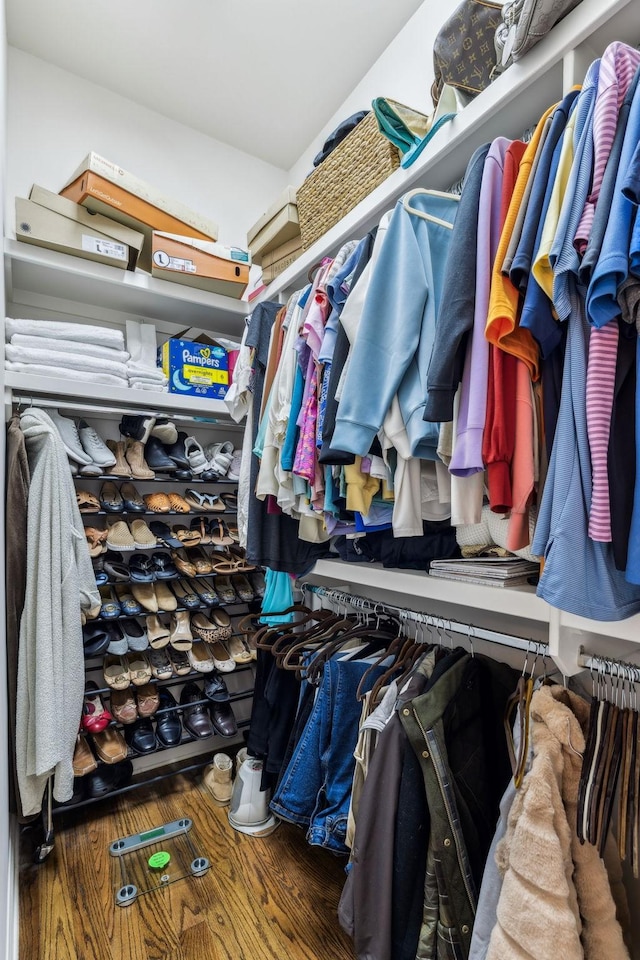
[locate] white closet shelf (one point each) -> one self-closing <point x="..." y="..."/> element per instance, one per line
<point x="416" y="585"/>
<point x="511" y="104"/>
<point x="26" y="385"/>
<point x="32" y="273"/>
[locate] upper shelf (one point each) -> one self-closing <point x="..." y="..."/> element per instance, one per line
<point x="35" y="274"/>
<point x="511" y="104"/>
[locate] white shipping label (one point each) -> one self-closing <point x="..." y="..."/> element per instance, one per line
<point x="106" y="248"/>
<point x="162" y="259"/>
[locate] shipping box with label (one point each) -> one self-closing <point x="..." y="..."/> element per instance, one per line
<point x="48" y="220"/>
<point x="195" y="369"/>
<point x="200" y="263"/>
<point x="113" y="200"/>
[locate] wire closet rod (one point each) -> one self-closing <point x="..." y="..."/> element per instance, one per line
<point x="593" y="661"/>
<point x="428" y="619"/>
<point x="79" y="404"/>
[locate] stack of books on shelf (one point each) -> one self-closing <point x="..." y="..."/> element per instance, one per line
<point x="489" y="571"/>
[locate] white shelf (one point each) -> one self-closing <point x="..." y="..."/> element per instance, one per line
<point x="417" y="586"/>
<point x="35" y="274"/>
<point x="511" y="104"/>
<point x="30" y="386"/>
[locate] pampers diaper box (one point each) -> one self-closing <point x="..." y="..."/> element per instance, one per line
<point x="195" y="369"/>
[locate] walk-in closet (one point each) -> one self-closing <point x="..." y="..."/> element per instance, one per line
<point x="322" y="480"/>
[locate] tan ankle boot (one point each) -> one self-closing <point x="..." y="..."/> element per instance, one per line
<point x="121" y="467"/>
<point x="217" y="779"/>
<point x="134" y="452"/>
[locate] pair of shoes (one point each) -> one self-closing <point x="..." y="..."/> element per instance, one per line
<point x="129" y="460"/>
<point x="96" y="540"/>
<point x="207" y="502"/>
<point x="120" y="671"/>
<point x="129" y="705"/>
<point x="203" y="719"/>
<point x="123" y="536"/>
<point x="177" y="634"/>
<point x="82" y="444"/>
<point x="145" y="569"/>
<point x="142" y="427"/>
<point x="153" y="597"/>
<point x="160" y="502"/>
<point x="95" y="716"/>
<point x="108" y="744"/>
<point x="167" y="662"/>
<point x="115" y="637"/>
<point x="126" y="498"/>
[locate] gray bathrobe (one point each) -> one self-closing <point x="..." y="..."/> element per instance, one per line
<point x="60" y="582"/>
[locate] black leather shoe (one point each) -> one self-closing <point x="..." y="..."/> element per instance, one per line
<point x="141" y="736"/>
<point x="108" y="778"/>
<point x="223" y="719"/>
<point x="156" y="457"/>
<point x="195" y="718"/>
<point x="181" y="474"/>
<point x="215" y="688"/>
<point x="168" y="726"/>
<point x="176" y="451"/>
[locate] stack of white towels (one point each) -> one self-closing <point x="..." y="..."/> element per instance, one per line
<point x="51" y="348"/>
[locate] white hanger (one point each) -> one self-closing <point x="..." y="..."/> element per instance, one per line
<point x="419" y="191"/>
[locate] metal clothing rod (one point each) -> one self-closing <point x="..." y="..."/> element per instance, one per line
<point x="427" y="619"/>
<point x="594" y="661"/>
<point x="79" y="404"/>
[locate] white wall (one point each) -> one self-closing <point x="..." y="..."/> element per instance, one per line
<point x="404" y="72"/>
<point x="56" y="118"/>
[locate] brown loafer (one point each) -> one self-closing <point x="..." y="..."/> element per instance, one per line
<point x="183" y="563"/>
<point x="110" y="745"/>
<point x="83" y="760"/>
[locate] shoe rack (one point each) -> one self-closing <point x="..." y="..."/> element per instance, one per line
<point x="191" y="753"/>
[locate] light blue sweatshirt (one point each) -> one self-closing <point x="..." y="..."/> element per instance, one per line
<point x="393" y="347"/>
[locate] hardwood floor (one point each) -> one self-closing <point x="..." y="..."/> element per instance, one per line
<point x="269" y="898"/>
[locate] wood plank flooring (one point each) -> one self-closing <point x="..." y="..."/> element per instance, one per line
<point x="262" y="899"/>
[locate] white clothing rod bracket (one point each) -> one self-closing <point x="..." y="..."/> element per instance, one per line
<point x="426" y="619"/>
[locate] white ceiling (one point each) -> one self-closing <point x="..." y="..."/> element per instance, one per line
<point x="261" y="75"/>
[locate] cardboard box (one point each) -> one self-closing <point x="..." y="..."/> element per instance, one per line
<point x="278" y="260"/>
<point x="48" y="220"/>
<point x="99" y="195"/>
<point x="195" y="369"/>
<point x="94" y="163"/>
<point x="276" y="226"/>
<point x="199" y="263"/>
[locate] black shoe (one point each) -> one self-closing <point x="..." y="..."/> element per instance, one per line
<point x="168" y="726"/>
<point x="95" y="639"/>
<point x="176" y="452"/>
<point x="223" y="719"/>
<point x="108" y="778"/>
<point x="195" y="718"/>
<point x="141" y="736"/>
<point x="156" y="458"/>
<point x="215" y="688"/>
<point x="138" y="428"/>
<point x="181" y="474"/>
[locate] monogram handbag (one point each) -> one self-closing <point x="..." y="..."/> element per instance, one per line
<point x="523" y="24"/>
<point x="464" y="53"/>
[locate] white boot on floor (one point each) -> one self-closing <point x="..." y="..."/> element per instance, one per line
<point x="217" y="779"/>
<point x="249" y="811"/>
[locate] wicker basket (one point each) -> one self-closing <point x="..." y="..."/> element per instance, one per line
<point x="356" y="167"/>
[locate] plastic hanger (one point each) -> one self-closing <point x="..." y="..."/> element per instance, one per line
<point x="419" y="191"/>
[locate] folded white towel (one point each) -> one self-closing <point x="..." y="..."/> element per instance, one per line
<point x="44" y="370"/>
<point x="70" y="361"/>
<point x="153" y="387"/>
<point x="151" y="378"/>
<point x="59" y="330"/>
<point x="150" y="373"/>
<point x="69" y="346"/>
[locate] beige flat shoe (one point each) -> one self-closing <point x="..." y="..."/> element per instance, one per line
<point x="119" y="537"/>
<point x="116" y="672"/>
<point x="139" y="668"/>
<point x="238" y="650"/>
<point x="181" y="636"/>
<point x="199" y="658"/>
<point x="166" y="597"/>
<point x="157" y="633"/>
<point x="142" y="535"/>
<point x="146" y="596"/>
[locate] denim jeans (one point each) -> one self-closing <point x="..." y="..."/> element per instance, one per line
<point x="316" y="785"/>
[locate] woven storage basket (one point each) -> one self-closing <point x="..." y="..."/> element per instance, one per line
<point x="356" y="167"/>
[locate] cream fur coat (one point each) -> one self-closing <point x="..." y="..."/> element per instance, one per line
<point x="556" y="899"/>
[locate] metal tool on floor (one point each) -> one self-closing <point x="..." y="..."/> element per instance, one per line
<point x="151" y="860"/>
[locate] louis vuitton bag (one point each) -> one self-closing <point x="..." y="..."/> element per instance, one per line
<point x="464" y="53"/>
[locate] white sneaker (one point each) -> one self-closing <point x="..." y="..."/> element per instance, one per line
<point x="70" y="437"/>
<point x="233" y="472"/>
<point x="91" y="470"/>
<point x="94" y="446"/>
